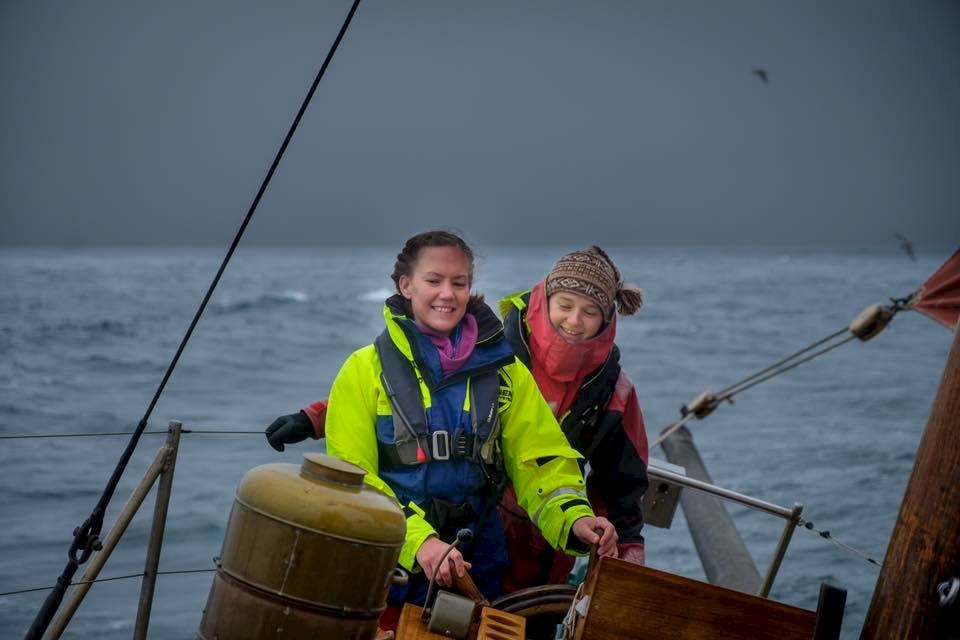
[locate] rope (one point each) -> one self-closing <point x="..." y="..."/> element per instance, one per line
<point x="826" y="535"/>
<point x="132" y="575"/>
<point x="781" y="366"/>
<point x="669" y="430"/>
<point x="777" y="368"/>
<point x="127" y="433"/>
<point x="739" y="387"/>
<point x="784" y="360"/>
<point x="569" y="622"/>
<point x="85" y="537"/>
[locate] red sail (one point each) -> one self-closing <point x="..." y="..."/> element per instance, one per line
<point x="939" y="297"/>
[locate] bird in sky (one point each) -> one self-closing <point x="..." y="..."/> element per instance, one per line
<point x="906" y="245"/>
<point x="762" y="74"/>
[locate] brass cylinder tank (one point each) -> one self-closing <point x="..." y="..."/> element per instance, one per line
<point x="309" y="552"/>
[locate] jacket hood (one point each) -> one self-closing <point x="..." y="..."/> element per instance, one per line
<point x="552" y="355"/>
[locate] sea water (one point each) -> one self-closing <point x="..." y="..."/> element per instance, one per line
<point x="86" y="335"/>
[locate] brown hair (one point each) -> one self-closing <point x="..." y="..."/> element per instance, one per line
<point x="407" y="258"/>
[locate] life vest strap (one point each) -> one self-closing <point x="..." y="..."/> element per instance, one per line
<point x="413" y="443"/>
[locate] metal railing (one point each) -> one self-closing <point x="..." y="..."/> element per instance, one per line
<point x="792" y="516"/>
<point x="162" y="468"/>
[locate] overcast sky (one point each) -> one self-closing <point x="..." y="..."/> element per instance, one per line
<point x="629" y="122"/>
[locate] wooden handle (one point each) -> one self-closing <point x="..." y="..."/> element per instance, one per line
<point x="594" y="552"/>
<point x="468" y="587"/>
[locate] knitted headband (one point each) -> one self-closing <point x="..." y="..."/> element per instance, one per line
<point x="591" y="273"/>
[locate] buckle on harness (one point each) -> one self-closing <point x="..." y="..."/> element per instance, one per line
<point x="463" y="444"/>
<point x="441" y="445"/>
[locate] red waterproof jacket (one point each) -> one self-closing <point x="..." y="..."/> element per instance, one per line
<point x="618" y="463"/>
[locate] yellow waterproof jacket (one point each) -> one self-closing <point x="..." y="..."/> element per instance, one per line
<point x="539" y="462"/>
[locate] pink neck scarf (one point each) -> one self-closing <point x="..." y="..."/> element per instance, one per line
<point x="454" y="353"/>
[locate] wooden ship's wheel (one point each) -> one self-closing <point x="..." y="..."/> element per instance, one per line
<point x="543" y="608"/>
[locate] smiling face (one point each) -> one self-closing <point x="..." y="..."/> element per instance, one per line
<point x="438" y="288"/>
<point x="575" y="317"/>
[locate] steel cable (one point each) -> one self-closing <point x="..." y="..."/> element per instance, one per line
<point x="110" y="579"/>
<point x="783" y="361"/>
<point x="739" y="387"/>
<point x="781" y="366"/>
<point x="127" y="433"/>
<point x="826" y="535"/>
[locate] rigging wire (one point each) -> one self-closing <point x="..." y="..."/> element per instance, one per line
<point x="86" y="536"/>
<point x="713" y="400"/>
<point x="110" y="579"/>
<point x="80" y="435"/>
<point x="826" y="535"/>
<point x="127" y="433"/>
<point x="710" y="401"/>
<point x="783" y="361"/>
<point x="740" y="386"/>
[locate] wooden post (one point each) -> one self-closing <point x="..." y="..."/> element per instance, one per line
<point x="829" y="612"/>
<point x="59" y="624"/>
<point x="164" y="489"/>
<point x="924" y="549"/>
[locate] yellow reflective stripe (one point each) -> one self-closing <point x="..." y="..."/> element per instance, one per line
<point x="553" y="494"/>
<point x="424" y="391"/>
<point x="413" y="506"/>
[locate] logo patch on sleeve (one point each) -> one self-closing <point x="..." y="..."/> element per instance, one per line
<point x="506" y="392"/>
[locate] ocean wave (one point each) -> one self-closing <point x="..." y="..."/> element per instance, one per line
<point x="29" y="493"/>
<point x="118" y="360"/>
<point x="262" y="301"/>
<point x="376" y="295"/>
<point x="11" y="410"/>
<point x="80" y="331"/>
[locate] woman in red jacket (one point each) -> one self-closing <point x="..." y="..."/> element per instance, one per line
<point x="563" y="330"/>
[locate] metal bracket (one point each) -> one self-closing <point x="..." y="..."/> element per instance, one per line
<point x="948" y="591"/>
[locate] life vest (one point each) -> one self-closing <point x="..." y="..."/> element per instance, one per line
<point x="413" y="442"/>
<point x="586" y="424"/>
<point x="452" y="471"/>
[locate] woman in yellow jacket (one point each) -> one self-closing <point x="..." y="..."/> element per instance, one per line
<point x="441" y="416"/>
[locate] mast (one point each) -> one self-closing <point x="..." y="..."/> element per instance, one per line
<point x="924" y="550"/>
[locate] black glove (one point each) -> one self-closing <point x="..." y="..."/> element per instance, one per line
<point x="289" y="430"/>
